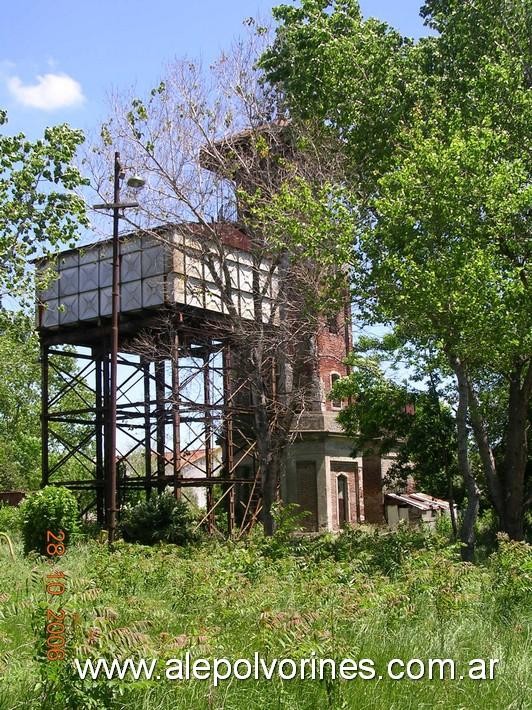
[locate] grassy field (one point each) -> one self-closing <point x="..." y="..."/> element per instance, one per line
<point x="362" y="595"/>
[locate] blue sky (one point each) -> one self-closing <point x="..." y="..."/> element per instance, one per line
<point x="59" y="59"/>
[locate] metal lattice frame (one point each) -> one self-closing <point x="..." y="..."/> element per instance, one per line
<point x="168" y="407"/>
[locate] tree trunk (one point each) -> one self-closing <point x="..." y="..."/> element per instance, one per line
<point x="486" y="454"/>
<point x="452" y="509"/>
<point x="265" y="447"/>
<point x="467" y="532"/>
<point x="269" y="488"/>
<point x="507" y="486"/>
<point x="266" y="468"/>
<point x="516" y="454"/>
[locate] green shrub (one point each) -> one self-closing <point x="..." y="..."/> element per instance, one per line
<point x="90" y="530"/>
<point x="52" y="509"/>
<point x="162" y="518"/>
<point x="444" y="527"/>
<point x="486" y="528"/>
<point x="511" y="568"/>
<point x="390" y="550"/>
<point x="9" y="518"/>
<point x="381" y="551"/>
<point x="289" y="519"/>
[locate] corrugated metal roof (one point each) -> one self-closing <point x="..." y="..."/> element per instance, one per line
<point x="421" y="501"/>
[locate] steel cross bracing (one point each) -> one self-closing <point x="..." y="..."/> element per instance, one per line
<point x="181" y="424"/>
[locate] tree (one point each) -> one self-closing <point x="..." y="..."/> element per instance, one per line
<point x="415" y="423"/>
<point x="211" y="148"/>
<point x="438" y="173"/>
<point x="20" y="404"/>
<point x="39" y="211"/>
<point x="384" y="416"/>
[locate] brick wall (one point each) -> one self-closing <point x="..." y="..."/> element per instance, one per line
<point x="332" y="350"/>
<point x="373" y="497"/>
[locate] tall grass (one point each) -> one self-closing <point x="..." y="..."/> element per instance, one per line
<point x="360" y="595"/>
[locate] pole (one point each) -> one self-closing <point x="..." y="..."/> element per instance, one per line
<point x="115" y="310"/>
<point x="45" y="400"/>
<point x="208" y="435"/>
<point x="98" y="425"/>
<point x="112" y="386"/>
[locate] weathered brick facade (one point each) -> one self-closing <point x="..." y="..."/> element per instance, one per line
<point x="333" y="344"/>
<point x="336" y="485"/>
<point x="372" y="482"/>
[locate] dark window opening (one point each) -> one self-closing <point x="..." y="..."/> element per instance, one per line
<point x="335" y="403"/>
<point x="333" y="324"/>
<point x="343" y="512"/>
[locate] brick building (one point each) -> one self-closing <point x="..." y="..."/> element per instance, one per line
<point x="321" y="475"/>
<point x="171" y="274"/>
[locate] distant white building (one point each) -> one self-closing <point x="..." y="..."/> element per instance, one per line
<point x="194" y="467"/>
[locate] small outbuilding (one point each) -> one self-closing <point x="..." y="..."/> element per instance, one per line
<point x="414" y="508"/>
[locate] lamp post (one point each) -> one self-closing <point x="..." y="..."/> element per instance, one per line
<point x="111" y="467"/>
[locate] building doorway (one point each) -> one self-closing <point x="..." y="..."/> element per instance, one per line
<point x="343" y="500"/>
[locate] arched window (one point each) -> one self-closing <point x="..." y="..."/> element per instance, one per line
<point x="335" y="403"/>
<point x="343" y="500"/>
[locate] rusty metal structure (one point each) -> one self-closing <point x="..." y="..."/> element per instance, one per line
<point x="184" y="414"/>
<point x="178" y="390"/>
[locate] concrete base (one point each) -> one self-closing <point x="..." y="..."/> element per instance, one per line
<point x="315" y="463"/>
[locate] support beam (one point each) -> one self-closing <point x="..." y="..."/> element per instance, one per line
<point x="176" y="417"/>
<point x="229" y="453"/>
<point x="189" y="391"/>
<point x="160" y="419"/>
<point x="208" y="438"/>
<point x="147" y="427"/>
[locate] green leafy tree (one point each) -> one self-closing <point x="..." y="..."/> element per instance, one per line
<point x="39" y="210"/>
<point x="417" y="425"/>
<point x="435" y="136"/>
<point x="20" y="444"/>
<point x="20" y="406"/>
<point x="39" y="213"/>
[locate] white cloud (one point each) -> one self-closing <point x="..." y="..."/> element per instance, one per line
<point x="51" y="91"/>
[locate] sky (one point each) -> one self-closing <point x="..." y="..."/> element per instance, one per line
<point x="60" y="59"/>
